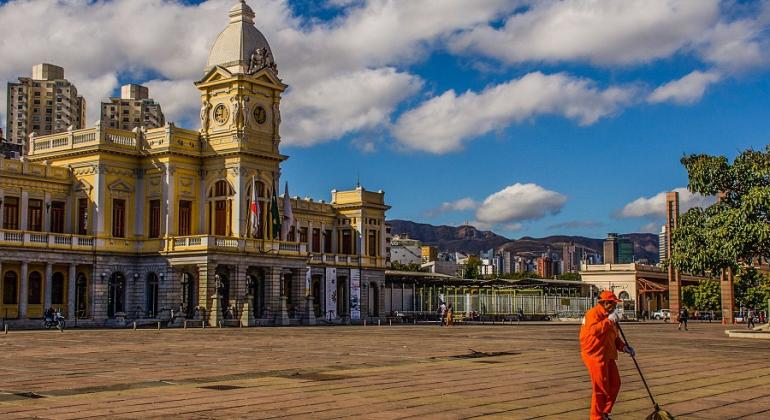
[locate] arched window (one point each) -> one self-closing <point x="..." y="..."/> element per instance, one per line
<point x="116" y="296"/>
<point x="624" y="295"/>
<point x="221" y="189"/>
<point x="220" y="208"/>
<point x="188" y="294"/>
<point x="35" y="288"/>
<point x="57" y="289"/>
<point x="152" y="295"/>
<point x="81" y="295"/>
<point x="10" y="288"/>
<point x="374" y="300"/>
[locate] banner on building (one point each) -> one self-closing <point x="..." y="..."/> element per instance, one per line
<point x="331" y="292"/>
<point x="355" y="293"/>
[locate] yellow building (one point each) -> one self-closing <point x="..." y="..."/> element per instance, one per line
<point x="114" y="226"/>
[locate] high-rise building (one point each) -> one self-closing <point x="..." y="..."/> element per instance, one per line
<point x="618" y="250"/>
<point x="663" y="244"/>
<point x="45" y="103"/>
<point x="133" y="109"/>
<point x="610" y="248"/>
<point x="545" y="267"/>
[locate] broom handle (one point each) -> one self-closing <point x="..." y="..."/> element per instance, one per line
<point x="638" y="368"/>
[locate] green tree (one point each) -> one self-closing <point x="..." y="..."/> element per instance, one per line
<point x="734" y="231"/>
<point x="569" y="276"/>
<point x="752" y="289"/>
<point x="397" y="266"/>
<point x="688" y="296"/>
<point x="520" y="275"/>
<point x="472" y="268"/>
<point x="708" y="295"/>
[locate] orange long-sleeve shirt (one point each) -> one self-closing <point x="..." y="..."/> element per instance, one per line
<point x="599" y="339"/>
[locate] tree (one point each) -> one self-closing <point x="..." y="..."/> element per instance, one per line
<point x="472" y="268"/>
<point x="752" y="289"/>
<point x="688" y="296"/>
<point x="733" y="232"/>
<point x="707" y="295"/>
<point x="569" y="276"/>
<point x="397" y="266"/>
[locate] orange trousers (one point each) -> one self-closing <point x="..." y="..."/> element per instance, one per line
<point x="605" y="382"/>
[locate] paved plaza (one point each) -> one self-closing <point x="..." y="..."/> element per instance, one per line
<point x="526" y="371"/>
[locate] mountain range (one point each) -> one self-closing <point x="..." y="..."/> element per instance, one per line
<point x="470" y="240"/>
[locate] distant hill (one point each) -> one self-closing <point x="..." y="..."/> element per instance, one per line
<point x="471" y="240"/>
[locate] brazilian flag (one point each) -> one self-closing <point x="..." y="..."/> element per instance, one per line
<point x="275" y="215"/>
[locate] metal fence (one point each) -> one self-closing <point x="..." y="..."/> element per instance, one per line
<point x="502" y="303"/>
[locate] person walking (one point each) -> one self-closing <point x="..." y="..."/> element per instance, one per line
<point x="449" y="315"/>
<point x="599" y="346"/>
<point x="442" y="313"/>
<point x="683" y="317"/>
<point x="750" y="319"/>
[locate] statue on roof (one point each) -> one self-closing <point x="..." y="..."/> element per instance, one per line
<point x="261" y="58"/>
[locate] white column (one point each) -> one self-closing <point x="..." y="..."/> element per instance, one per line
<point x="2" y="198"/>
<point x="139" y="203"/>
<point x="47" y="215"/>
<point x="24" y="209"/>
<point x="238" y="222"/>
<point x="202" y="203"/>
<point x="48" y="285"/>
<point x="69" y="212"/>
<point x="100" y="204"/>
<point x="23" y="291"/>
<point x="71" y="282"/>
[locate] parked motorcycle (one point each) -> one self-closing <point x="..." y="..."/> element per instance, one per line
<point x="54" y="320"/>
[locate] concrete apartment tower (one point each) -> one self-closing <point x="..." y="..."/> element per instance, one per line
<point x="45" y="103"/>
<point x="133" y="109"/>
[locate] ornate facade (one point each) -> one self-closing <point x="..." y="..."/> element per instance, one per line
<point x="114" y="226"/>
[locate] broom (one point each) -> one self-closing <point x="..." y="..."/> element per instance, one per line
<point x="658" y="413"/>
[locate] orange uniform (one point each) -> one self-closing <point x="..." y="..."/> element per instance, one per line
<point x="599" y="345"/>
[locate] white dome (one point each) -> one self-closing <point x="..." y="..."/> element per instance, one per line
<point x="236" y="44"/>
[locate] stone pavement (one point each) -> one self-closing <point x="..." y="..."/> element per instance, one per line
<point x="426" y="372"/>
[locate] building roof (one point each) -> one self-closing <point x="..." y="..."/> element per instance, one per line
<point x="238" y="41"/>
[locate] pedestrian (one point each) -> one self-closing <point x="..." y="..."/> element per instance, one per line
<point x="599" y="346"/>
<point x="750" y="319"/>
<point x="442" y="313"/>
<point x="683" y="316"/>
<point x="712" y="316"/>
<point x="449" y="315"/>
<point x="762" y="318"/>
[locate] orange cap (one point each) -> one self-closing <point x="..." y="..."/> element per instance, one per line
<point x="608" y="295"/>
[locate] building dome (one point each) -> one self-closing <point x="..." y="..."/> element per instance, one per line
<point x="240" y="44"/>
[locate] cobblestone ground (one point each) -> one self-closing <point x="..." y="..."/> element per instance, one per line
<point x="528" y="371"/>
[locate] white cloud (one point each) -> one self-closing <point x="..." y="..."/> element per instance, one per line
<point x="344" y="104"/>
<point x="179" y="102"/>
<point x="738" y="45"/>
<point x="655" y="206"/>
<point x="166" y="44"/>
<point x="605" y="32"/>
<point x="652" y="227"/>
<point x="519" y="202"/>
<point x="513" y="227"/>
<point x="687" y="90"/>
<point x="443" y="123"/>
<point x="462" y="204"/>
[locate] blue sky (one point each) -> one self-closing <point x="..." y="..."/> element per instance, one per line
<point x="528" y="117"/>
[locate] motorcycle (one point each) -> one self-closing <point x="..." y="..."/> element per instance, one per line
<point x="54" y="320"/>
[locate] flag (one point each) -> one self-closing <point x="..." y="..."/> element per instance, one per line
<point x="254" y="211"/>
<point x="288" y="215"/>
<point x="275" y="215"/>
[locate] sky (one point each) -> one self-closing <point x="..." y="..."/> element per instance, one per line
<point x="529" y="118"/>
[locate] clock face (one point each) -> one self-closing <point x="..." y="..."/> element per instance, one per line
<point x="260" y="115"/>
<point x="221" y="114"/>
